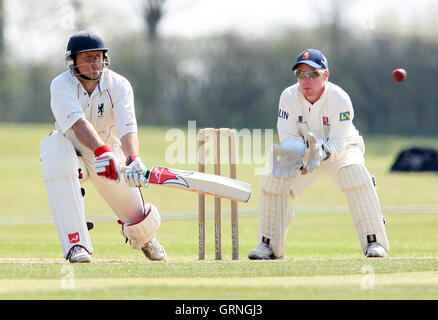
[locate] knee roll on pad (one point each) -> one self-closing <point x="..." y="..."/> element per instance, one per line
<point x="140" y="232"/>
<point x="271" y="184"/>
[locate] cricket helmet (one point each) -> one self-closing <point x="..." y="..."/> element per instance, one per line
<point x="84" y="41"/>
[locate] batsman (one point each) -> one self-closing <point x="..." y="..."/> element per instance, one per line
<point x="96" y="132"/>
<point x="317" y="137"/>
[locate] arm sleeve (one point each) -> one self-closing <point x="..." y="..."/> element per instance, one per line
<point x="124" y="112"/>
<point x="342" y="114"/>
<point x="287" y="122"/>
<point x="65" y="104"/>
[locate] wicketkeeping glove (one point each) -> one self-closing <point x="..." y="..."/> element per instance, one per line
<point x="106" y="164"/>
<point x="135" y="175"/>
<point x="317" y="153"/>
<point x="288" y="163"/>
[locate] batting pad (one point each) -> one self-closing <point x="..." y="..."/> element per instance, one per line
<point x="59" y="165"/>
<point x="357" y="184"/>
<point x="140" y="232"/>
<point x="276" y="213"/>
<point x="276" y="185"/>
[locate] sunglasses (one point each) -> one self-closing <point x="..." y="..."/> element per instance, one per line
<point x="312" y="74"/>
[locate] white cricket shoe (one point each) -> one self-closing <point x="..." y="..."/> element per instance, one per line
<point x="153" y="250"/>
<point x="79" y="255"/>
<point x="375" y="250"/>
<point x="262" y="252"/>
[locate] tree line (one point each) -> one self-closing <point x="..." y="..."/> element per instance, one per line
<point x="229" y="80"/>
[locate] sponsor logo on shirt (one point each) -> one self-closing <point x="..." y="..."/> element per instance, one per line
<point x="301" y="120"/>
<point x="283" y="114"/>
<point x="344" y="116"/>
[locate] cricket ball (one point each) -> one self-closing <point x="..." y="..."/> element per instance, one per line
<point x="399" y="75"/>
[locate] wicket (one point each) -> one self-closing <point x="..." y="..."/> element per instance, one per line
<point x="232" y="152"/>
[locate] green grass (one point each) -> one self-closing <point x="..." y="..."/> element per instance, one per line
<point x="323" y="258"/>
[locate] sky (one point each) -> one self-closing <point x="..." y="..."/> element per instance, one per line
<point x="36" y="28"/>
<point x="258" y="17"/>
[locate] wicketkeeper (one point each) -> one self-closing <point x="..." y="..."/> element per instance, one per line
<point x="96" y="132"/>
<point x="317" y="136"/>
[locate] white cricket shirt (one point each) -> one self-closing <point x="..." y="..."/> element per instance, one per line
<point x="110" y="108"/>
<point x="330" y="118"/>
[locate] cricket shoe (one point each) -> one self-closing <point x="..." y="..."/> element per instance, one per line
<point x="79" y="255"/>
<point x="262" y="252"/>
<point x="154" y="251"/>
<point x="375" y="250"/>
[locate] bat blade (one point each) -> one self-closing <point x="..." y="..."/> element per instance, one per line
<point x="211" y="184"/>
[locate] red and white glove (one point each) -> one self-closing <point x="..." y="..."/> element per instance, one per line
<point x="135" y="175"/>
<point x="106" y="164"/>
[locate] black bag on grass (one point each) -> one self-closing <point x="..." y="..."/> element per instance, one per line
<point x="416" y="159"/>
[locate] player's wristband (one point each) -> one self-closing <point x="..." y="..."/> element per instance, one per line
<point x="101" y="150"/>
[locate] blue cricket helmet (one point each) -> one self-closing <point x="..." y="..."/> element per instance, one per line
<point x="83" y="41"/>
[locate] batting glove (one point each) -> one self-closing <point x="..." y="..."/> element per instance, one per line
<point x="106" y="164"/>
<point x="135" y="175"/>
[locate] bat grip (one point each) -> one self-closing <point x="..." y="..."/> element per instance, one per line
<point x="148" y="174"/>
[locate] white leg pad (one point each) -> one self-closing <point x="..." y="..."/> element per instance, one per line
<point x="276" y="213"/>
<point x="357" y="184"/>
<point x="140" y="232"/>
<point x="59" y="164"/>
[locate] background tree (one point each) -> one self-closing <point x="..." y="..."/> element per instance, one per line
<point x="153" y="12"/>
<point x="228" y="78"/>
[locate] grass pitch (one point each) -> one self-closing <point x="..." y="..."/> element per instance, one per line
<point x="323" y="261"/>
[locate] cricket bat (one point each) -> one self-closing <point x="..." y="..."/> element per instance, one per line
<point x="199" y="182"/>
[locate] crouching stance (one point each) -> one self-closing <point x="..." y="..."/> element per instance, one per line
<point x="315" y="127"/>
<point x="96" y="132"/>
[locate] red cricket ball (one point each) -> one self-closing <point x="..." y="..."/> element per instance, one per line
<point x="399" y="75"/>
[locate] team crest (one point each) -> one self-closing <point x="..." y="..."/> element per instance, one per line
<point x="325" y="121"/>
<point x="306" y="55"/>
<point x="100" y="110"/>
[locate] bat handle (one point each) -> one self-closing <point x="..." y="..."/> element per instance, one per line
<point x="148" y="174"/>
